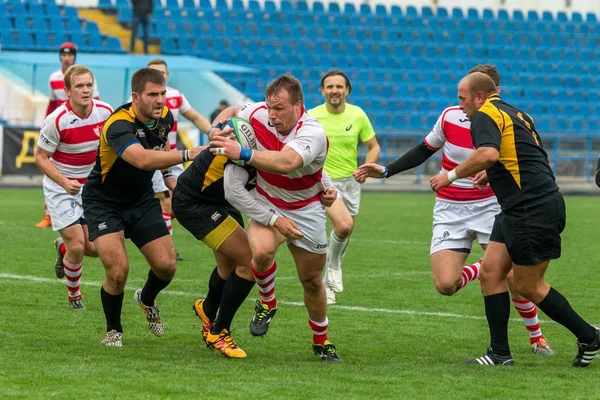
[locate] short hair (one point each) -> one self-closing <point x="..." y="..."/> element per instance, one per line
<point x="289" y="83"/>
<point x="143" y="76"/>
<point x="337" y="72"/>
<point x="224" y="103"/>
<point x="73" y="70"/>
<point x="488" y="69"/>
<point x="480" y="82"/>
<point x="158" y="61"/>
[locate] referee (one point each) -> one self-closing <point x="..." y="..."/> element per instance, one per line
<point x="526" y="233"/>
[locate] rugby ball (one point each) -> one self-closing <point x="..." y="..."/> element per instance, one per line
<point x="244" y="134"/>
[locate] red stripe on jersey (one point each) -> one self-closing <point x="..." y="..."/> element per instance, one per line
<point x="75" y="160"/>
<point x="265" y="137"/>
<point x="444" y="117"/>
<point x="80" y="134"/>
<point x="448" y="164"/>
<point x="458" y="135"/>
<point x="455" y="193"/>
<point x="173" y="103"/>
<point x="57" y="85"/>
<point x="174" y="129"/>
<point x="58" y="117"/>
<point x="285" y="183"/>
<point x="284" y="205"/>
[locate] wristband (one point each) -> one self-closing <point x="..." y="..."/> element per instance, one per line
<point x="217" y="126"/>
<point x="185" y="156"/>
<point x="246" y="154"/>
<point x="452" y="175"/>
<point x="167" y="174"/>
<point x="385" y="172"/>
<point x="272" y="220"/>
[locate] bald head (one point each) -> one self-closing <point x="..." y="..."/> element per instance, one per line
<point x="473" y="91"/>
<point x="480" y="82"/>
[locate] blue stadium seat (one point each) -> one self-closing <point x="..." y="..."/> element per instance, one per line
<point x="113" y="44"/>
<point x="472" y="13"/>
<point x="561" y="16"/>
<point x="457" y="13"/>
<point x="221" y="5"/>
<point x="95" y="43"/>
<point x="39" y="23"/>
<point x="302" y="6"/>
<point x="365" y="9"/>
<point x="286" y="6"/>
<point x="3" y="10"/>
<point x="349" y="8"/>
<point x="17" y="8"/>
<point x="503" y="15"/>
<point x="547" y="16"/>
<point x="591" y="18"/>
<point x="270" y="7"/>
<point x="25" y="41"/>
<point x="20" y="23"/>
<point x="396" y="11"/>
<point x="35" y="9"/>
<point x="442" y="12"/>
<point x="70" y="12"/>
<point x="43" y="42"/>
<point x="488" y="14"/>
<point x="189" y="4"/>
<point x="205" y="5"/>
<point x="254" y="6"/>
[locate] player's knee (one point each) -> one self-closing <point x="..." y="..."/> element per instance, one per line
<point x="263" y="257"/>
<point x="526" y="289"/>
<point x="312" y="285"/>
<point x="76" y="247"/>
<point x="446" y="288"/>
<point x="90" y="249"/>
<point x="116" y="279"/>
<point x="344" y="229"/>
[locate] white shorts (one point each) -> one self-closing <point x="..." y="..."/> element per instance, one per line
<point x="456" y="225"/>
<point x="158" y="182"/>
<point x="311" y="219"/>
<point x="349" y="191"/>
<point x="64" y="209"/>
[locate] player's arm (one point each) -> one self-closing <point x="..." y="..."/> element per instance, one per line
<point x="486" y="139"/>
<point x="409" y="160"/>
<point x="197" y="119"/>
<point x="120" y="137"/>
<point x="234" y="182"/>
<point x="226" y="114"/>
<point x="329" y="194"/>
<point x="373" y="150"/>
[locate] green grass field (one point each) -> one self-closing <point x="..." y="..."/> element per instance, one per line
<point x="397" y="336"/>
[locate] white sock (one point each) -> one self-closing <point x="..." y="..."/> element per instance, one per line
<point x="336" y="248"/>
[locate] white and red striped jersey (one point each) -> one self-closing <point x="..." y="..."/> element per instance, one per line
<point x="177" y="103"/>
<point x="57" y="95"/>
<point x="73" y="139"/>
<point x="302" y="186"/>
<point x="452" y="133"/>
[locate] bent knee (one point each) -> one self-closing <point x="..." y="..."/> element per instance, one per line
<point x="312" y="285"/>
<point x="263" y="257"/>
<point x="446" y="288"/>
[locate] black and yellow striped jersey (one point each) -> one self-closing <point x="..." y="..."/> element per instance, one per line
<point x="114" y="179"/>
<point x="203" y="179"/>
<point x="522" y="172"/>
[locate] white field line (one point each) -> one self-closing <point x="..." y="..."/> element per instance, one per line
<point x="37" y="279"/>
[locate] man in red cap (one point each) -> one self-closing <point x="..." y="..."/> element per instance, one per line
<point x="58" y="96"/>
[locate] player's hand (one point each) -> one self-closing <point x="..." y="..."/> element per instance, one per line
<point x="72" y="186"/>
<point x="369" y="170"/>
<point x="216" y="132"/>
<point x="480" y="181"/>
<point x="328" y="197"/>
<point x="222" y="146"/>
<point x="439" y="181"/>
<point x="288" y="228"/>
<point x="195" y="151"/>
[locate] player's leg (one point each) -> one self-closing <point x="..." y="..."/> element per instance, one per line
<point x="310" y="268"/>
<point x="149" y="233"/>
<point x="449" y="272"/>
<point x="342" y="225"/>
<point x="74" y="241"/>
<point x="112" y="253"/>
<point x="528" y="312"/>
<point x="264" y="242"/>
<point x="495" y="266"/>
<point x="90" y="247"/>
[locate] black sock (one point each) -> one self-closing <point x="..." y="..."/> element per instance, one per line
<point x="215" y="292"/>
<point x="152" y="288"/>
<point x="112" y="309"/>
<point x="557" y="307"/>
<point x="497" y="311"/>
<point x="235" y="292"/>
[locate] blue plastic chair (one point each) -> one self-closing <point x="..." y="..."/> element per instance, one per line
<point x="396" y="11"/>
<point x="365" y="9"/>
<point x="457" y="13"/>
<point x="503" y="15"/>
<point x="286" y="7"/>
<point x="349" y="8"/>
<point x="488" y="14"/>
<point x="561" y="16"/>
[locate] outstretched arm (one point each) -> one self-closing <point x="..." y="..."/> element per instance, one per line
<point x="411" y="159"/>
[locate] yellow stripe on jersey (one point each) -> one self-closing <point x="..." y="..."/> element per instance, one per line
<point x="105" y="152"/>
<point x="215" y="171"/>
<point x="508" y="148"/>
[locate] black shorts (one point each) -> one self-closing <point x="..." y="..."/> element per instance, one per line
<point x="142" y="222"/>
<point x="532" y="232"/>
<point x="209" y="222"/>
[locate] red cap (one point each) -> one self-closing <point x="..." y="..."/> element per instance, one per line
<point x="68" y="48"/>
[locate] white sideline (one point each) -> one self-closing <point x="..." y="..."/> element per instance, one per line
<point x="292" y="303"/>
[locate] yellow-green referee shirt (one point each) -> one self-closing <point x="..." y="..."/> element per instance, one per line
<point x="343" y="131"/>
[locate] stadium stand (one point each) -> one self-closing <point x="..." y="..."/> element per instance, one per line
<point x="415" y="54"/>
<point x="42" y="26"/>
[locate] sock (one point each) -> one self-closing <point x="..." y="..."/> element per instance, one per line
<point x="168" y="220"/>
<point x="266" y="285"/>
<point x="497" y="311"/>
<point x="46" y="213"/>
<point x="336" y="248"/>
<point x="528" y="311"/>
<point x="214" y="296"/>
<point x="469" y="273"/>
<point x="319" y="331"/>
<point x="112" y="309"/>
<point x="63" y="249"/>
<point x="235" y="292"/>
<point x="152" y="288"/>
<point x="73" y="279"/>
<point x="557" y="307"/>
